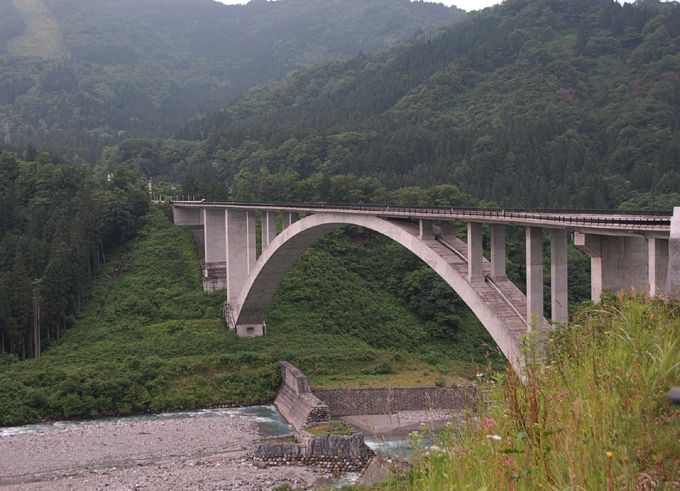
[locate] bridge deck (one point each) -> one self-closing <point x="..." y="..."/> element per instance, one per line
<point x="655" y="225"/>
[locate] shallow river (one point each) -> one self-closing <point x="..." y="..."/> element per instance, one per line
<point x="268" y="419"/>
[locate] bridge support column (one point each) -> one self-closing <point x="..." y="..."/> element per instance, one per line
<point x="618" y="263"/>
<point x="289" y="219"/>
<point x="238" y="250"/>
<point x="214" y="270"/>
<point x="559" y="297"/>
<point x="448" y="230"/>
<point x="268" y="227"/>
<point x="673" y="277"/>
<point x="498" y="252"/>
<point x="251" y="239"/>
<point x="658" y="265"/>
<point x="534" y="278"/>
<point x="426" y="230"/>
<point x="475" y="248"/>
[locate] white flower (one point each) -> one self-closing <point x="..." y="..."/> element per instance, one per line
<point x="494" y="437"/>
<point x="480" y="375"/>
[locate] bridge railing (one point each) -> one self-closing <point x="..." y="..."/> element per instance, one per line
<point x="562" y="216"/>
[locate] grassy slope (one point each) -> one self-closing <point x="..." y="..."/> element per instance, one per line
<point x="42" y="37"/>
<point x="594" y="416"/>
<point x="160" y="342"/>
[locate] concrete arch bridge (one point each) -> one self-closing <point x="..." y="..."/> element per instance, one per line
<point x="627" y="251"/>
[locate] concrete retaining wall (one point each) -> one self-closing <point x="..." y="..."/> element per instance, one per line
<point x="296" y="402"/>
<point x="385" y="400"/>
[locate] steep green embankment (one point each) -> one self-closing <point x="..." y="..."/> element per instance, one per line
<point x="159" y="341"/>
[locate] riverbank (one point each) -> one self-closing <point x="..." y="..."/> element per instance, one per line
<point x="176" y="454"/>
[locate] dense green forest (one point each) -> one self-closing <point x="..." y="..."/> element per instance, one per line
<point x="546" y="103"/>
<point x="57" y="225"/>
<point x="143" y="68"/>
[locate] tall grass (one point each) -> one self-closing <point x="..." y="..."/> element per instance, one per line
<point x="591" y="414"/>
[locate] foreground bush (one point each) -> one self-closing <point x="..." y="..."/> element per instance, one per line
<point x="593" y="415"/>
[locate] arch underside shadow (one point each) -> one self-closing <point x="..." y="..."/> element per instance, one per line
<point x="495" y="312"/>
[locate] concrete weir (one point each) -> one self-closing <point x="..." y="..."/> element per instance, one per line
<point x="295" y="400"/>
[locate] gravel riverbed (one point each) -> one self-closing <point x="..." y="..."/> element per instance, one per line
<point x="178" y="454"/>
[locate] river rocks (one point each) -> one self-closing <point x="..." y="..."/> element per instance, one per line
<point x="177" y="454"/>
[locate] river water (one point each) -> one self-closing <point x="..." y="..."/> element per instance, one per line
<point x="269" y="422"/>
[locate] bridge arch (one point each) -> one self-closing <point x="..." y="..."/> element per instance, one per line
<point x="499" y="307"/>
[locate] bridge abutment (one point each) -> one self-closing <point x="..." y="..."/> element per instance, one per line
<point x="617" y="263"/>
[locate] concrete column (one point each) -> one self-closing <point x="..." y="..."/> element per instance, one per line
<point x="534" y="278"/>
<point x="616" y="263"/>
<point x="214" y="235"/>
<point x="288" y="219"/>
<point x="448" y="230"/>
<point x="673" y="276"/>
<point x="658" y="265"/>
<point x="559" y="297"/>
<point x="238" y="252"/>
<point x="251" y="239"/>
<point x="268" y="228"/>
<point x="498" y="252"/>
<point x="475" y="248"/>
<point x="426" y="230"/>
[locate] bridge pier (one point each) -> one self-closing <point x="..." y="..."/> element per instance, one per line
<point x="268" y="227"/>
<point x="534" y="251"/>
<point x="498" y="252"/>
<point x="559" y="300"/>
<point x="215" y="249"/>
<point x="475" y="249"/>
<point x="673" y="279"/>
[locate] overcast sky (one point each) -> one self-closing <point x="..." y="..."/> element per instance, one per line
<point x="467" y="5"/>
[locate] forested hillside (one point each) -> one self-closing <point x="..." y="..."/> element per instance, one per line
<point x="545" y="103"/>
<point x="142" y="68"/>
<point x="57" y="226"/>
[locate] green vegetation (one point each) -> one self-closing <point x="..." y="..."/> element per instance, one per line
<point x="141" y="68"/>
<point x="332" y="427"/>
<point x="592" y="415"/>
<point x="548" y="103"/>
<point x="157" y="342"/>
<point x="57" y="226"/>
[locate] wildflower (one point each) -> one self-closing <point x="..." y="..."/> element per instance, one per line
<point x="489" y="423"/>
<point x="494" y="437"/>
<point x="480" y="375"/>
<point x="636" y="396"/>
<point x="609" y="454"/>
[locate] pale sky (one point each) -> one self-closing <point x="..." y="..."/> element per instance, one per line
<point x="467" y="5"/>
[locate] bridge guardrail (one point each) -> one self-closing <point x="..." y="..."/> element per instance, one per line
<point x="575" y="217"/>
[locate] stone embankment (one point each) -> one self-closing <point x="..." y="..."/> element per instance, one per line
<point x="333" y="453"/>
<point x="391" y="400"/>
